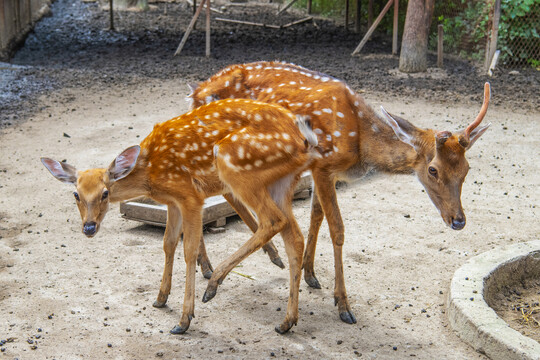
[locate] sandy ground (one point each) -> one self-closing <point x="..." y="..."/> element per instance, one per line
<point x="64" y="296"/>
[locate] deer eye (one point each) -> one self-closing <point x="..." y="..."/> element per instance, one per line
<point x="76" y="196"/>
<point x="432" y="171"/>
<point x="105" y="195"/>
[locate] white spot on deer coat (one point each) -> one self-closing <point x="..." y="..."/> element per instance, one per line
<point x="240" y="152"/>
<point x="337" y="133"/>
<point x="327" y="110"/>
<point x="340" y="114"/>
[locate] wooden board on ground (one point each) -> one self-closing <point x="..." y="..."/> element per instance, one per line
<point x="215" y="210"/>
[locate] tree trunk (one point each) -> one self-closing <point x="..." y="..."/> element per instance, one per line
<point x="413" y="57"/>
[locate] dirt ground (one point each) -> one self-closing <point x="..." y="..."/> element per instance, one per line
<point x="519" y="306"/>
<point x="76" y="92"/>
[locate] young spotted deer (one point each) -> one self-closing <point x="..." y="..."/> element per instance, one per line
<point x="252" y="151"/>
<point x="354" y="141"/>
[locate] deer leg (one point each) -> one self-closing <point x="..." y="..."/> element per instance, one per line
<point x="270" y="224"/>
<point x="250" y="221"/>
<point x="203" y="261"/>
<point x="317" y="216"/>
<point x="294" y="246"/>
<point x="326" y="192"/>
<point x="170" y="241"/>
<point x="192" y="235"/>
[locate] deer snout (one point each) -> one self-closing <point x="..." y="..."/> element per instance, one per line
<point x="458" y="222"/>
<point x="90" y="228"/>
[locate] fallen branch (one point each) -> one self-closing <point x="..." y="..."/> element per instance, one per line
<point x="248" y="23"/>
<point x="301" y="21"/>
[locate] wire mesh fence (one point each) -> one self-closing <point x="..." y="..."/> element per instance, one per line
<point x="468" y="27"/>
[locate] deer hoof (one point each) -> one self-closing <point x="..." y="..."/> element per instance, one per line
<point x="284" y="328"/>
<point x="347" y="317"/>
<point x="209" y="294"/>
<point x="207" y="274"/>
<point x="277" y="261"/>
<point x="177" y="330"/>
<point x="159" y="304"/>
<point x="312" y="281"/>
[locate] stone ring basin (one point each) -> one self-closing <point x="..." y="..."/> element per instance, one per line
<point x="475" y="286"/>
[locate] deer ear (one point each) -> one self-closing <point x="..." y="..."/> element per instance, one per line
<point x="61" y="171"/>
<point x="237" y="75"/>
<point x="192" y="87"/>
<point x="124" y="163"/>
<point x="475" y="135"/>
<point x="404" y="130"/>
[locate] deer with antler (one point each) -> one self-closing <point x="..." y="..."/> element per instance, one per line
<point x="251" y="152"/>
<point x="354" y="140"/>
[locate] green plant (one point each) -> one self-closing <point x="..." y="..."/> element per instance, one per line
<point x="467" y="24"/>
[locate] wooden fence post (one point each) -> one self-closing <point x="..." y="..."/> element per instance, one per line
<point x="395" y="30"/>
<point x="440" y="34"/>
<point x="492" y="47"/>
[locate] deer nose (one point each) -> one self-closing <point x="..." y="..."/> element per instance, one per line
<point x="458" y="223"/>
<point x="89" y="228"/>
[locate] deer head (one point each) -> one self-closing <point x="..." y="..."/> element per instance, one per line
<point x="93" y="187"/>
<point x="442" y="166"/>
<point x="227" y="86"/>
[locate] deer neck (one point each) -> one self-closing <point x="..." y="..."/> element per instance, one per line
<point x="133" y="185"/>
<point x="383" y="151"/>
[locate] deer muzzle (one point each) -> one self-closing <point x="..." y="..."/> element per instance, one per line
<point x="90" y="228"/>
<point x="458" y="223"/>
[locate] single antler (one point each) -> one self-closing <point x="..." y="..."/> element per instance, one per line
<point x="480" y="117"/>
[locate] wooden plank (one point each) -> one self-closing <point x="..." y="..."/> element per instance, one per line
<point x="286" y="7"/>
<point x="372" y="28"/>
<point x="215" y="208"/>
<point x="297" y="22"/>
<point x="248" y="23"/>
<point x="190" y="28"/>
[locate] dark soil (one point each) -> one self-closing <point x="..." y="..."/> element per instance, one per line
<point x="73" y="48"/>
